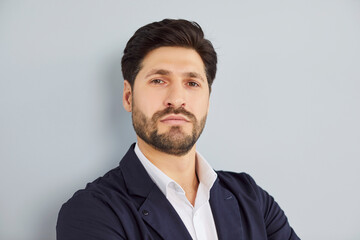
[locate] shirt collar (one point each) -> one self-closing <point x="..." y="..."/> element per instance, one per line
<point x="159" y="178"/>
<point x="205" y="173"/>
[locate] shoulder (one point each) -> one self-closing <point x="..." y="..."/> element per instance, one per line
<point x="246" y="191"/>
<point x="94" y="210"/>
<point x="244" y="187"/>
<point x="256" y="202"/>
<point x="104" y="190"/>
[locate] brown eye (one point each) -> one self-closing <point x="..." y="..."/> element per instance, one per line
<point x="157" y="81"/>
<point x="193" y="84"/>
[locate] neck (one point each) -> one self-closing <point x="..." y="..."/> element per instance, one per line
<point x="179" y="168"/>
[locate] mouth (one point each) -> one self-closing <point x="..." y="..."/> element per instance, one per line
<point x="174" y="120"/>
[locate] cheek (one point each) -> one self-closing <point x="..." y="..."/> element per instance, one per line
<point x="148" y="103"/>
<point x="200" y="108"/>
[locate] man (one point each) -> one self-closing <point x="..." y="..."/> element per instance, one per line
<point x="163" y="188"/>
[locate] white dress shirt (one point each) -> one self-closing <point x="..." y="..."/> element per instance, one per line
<point x="198" y="219"/>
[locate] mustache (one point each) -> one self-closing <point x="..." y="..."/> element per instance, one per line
<point x="171" y="110"/>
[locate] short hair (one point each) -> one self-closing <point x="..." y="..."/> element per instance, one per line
<point x="167" y="33"/>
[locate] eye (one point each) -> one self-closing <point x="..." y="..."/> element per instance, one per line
<point x="157" y="81"/>
<point x="193" y="84"/>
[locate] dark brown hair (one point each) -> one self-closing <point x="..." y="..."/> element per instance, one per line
<point x="168" y="32"/>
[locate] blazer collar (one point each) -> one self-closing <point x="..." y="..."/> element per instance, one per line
<point x="155" y="209"/>
<point x="137" y="180"/>
<point x="226" y="212"/>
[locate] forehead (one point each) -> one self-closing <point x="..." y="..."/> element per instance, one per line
<point x="174" y="60"/>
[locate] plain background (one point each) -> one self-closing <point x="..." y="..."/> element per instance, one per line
<point x="284" y="107"/>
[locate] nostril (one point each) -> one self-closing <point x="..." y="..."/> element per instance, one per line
<point x="175" y="102"/>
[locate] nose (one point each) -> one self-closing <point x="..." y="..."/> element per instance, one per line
<point x="175" y="96"/>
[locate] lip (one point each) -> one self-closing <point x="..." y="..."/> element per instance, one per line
<point x="174" y="119"/>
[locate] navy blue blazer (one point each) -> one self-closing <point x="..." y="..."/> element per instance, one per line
<point x="126" y="204"/>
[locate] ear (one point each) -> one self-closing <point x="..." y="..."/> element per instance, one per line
<point x="127" y="96"/>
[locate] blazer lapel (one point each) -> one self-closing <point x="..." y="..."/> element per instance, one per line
<point x="162" y="217"/>
<point x="226" y="213"/>
<point x="154" y="208"/>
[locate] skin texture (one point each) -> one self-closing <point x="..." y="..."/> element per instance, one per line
<point x="169" y="102"/>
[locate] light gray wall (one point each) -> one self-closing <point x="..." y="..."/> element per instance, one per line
<point x="284" y="107"/>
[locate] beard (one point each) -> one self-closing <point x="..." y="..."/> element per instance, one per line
<point x="174" y="141"/>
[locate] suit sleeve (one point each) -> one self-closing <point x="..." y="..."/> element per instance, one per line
<point x="277" y="225"/>
<point x="86" y="216"/>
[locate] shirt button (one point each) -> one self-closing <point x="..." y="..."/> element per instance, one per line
<point x="145" y="212"/>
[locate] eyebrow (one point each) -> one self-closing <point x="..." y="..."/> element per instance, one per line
<point x="158" y="72"/>
<point x="194" y="75"/>
<point x="167" y="73"/>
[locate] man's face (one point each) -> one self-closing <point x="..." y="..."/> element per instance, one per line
<point x="169" y="100"/>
